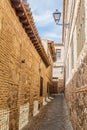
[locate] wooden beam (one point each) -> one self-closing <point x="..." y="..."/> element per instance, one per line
<point x="32" y="38"/>
<point x="27" y="27"/>
<point x="29" y="31"/>
<point x="36" y="45"/>
<point x="38" y="49"/>
<point x="23" y="21"/>
<point x="26" y="4"/>
<point x="32" y="35"/>
<point x="35" y="42"/>
<point x="20" y="13"/>
<point x="16" y="5"/>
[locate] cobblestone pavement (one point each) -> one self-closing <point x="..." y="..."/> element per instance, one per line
<point x="53" y="116"/>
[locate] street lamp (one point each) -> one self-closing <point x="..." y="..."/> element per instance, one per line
<point x="56" y="16"/>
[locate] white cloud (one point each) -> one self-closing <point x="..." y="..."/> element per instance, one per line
<point x="52" y="35"/>
<point x="42" y="5"/>
<point x="42" y="12"/>
<point x="43" y="19"/>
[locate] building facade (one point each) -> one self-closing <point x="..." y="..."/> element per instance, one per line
<point x="75" y="44"/>
<point x="50" y="50"/>
<point x="58" y="69"/>
<point x="24" y="66"/>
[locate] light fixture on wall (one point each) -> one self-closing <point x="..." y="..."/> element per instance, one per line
<point x="56" y="16"/>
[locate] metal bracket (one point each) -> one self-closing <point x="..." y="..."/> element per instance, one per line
<point x="67" y="25"/>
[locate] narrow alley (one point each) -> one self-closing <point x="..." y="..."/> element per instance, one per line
<point x="53" y="116"/>
<point x="43" y="65"/>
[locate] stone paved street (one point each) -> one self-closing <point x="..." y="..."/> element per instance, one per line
<point x="53" y="116"/>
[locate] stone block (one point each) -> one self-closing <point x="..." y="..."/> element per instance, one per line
<point x="35" y="110"/>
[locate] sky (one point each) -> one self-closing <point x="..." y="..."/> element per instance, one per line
<point x="42" y="11"/>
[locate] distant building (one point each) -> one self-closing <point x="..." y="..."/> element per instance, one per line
<point x="50" y="50"/>
<point x="58" y="69"/>
<point x="49" y="47"/>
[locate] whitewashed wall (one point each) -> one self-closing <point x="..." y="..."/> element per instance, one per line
<point x="59" y="72"/>
<point x="24" y="115"/>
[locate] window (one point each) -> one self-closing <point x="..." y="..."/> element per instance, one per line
<point x="41" y="86"/>
<point x="58" y="53"/>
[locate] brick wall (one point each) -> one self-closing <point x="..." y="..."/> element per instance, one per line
<point x="76" y="95"/>
<point x="61" y="85"/>
<point x="58" y="86"/>
<point x="54" y="88"/>
<point x="19" y="72"/>
<point x="76" y="67"/>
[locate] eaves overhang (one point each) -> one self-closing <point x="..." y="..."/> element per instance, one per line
<point x="25" y="16"/>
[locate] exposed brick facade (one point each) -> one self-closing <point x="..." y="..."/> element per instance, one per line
<point x="76" y="61"/>
<point x="76" y="95"/>
<point x="20" y="69"/>
<point x="58" y="86"/>
<point x="61" y="86"/>
<point x="54" y="88"/>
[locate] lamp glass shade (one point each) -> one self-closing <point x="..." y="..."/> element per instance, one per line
<point x="57" y="16"/>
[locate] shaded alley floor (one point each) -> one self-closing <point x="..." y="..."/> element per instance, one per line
<point x="53" y="116"/>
